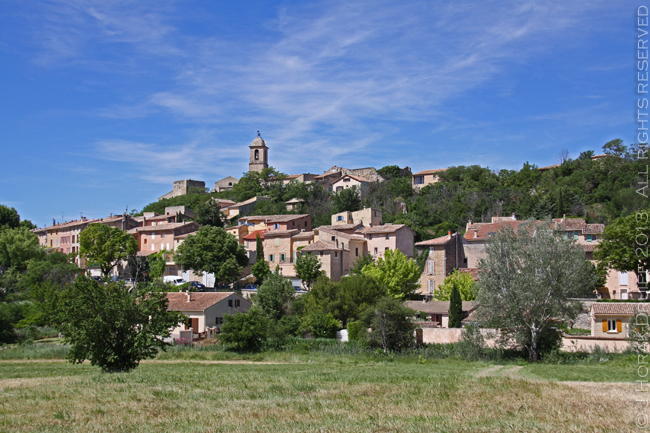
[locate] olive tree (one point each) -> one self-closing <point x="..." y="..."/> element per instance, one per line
<point x="527" y="281"/>
<point x="106" y="246"/>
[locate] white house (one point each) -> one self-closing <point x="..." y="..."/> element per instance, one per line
<point x="205" y="310"/>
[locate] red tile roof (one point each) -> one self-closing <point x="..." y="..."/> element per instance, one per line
<point x="304" y="235"/>
<point x="483" y="231"/>
<point x="443" y="240"/>
<point x="619" y="308"/>
<point x="278" y="233"/>
<point x="425" y="172"/>
<point x="386" y="228"/>
<point x="321" y="246"/>
<point x="253" y="236"/>
<point x="357" y="178"/>
<point x="165" y="227"/>
<point x="472" y="271"/>
<point x="198" y="301"/>
<point x="340" y="227"/>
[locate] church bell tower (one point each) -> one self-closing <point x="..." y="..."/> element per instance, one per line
<point x="259" y="155"/>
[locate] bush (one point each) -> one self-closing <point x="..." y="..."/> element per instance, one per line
<point x="471" y="344"/>
<point x="321" y="325"/>
<point x="391" y="325"/>
<point x="245" y="332"/>
<point x="356" y="330"/>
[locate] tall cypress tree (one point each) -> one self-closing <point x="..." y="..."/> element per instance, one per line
<point x="455" y="308"/>
<point x="259" y="253"/>
<point x="260" y="269"/>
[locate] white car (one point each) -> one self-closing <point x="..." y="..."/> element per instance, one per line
<point x="177" y="281"/>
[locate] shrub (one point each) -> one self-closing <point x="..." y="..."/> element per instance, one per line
<point x="245" y="332"/>
<point x="321" y="325"/>
<point x="356" y="330"/>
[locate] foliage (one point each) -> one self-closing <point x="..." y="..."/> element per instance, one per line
<point x="245" y="332"/>
<point x="471" y="345"/>
<point x="348" y="199"/>
<point x="7" y="332"/>
<point x="361" y="262"/>
<point x="17" y="247"/>
<point x="212" y="250"/>
<point x="106" y="246"/>
<point x="191" y="200"/>
<point x="625" y="244"/>
<point x="261" y="269"/>
<point x="321" y="325"/>
<point x="345" y="300"/>
<point x="274" y="296"/>
<point x="111" y="327"/>
<point x="397" y="272"/>
<point x="137" y="268"/>
<point x="208" y="213"/>
<point x="527" y="280"/>
<point x="308" y="268"/>
<point x="392" y="329"/>
<point x="462" y="281"/>
<point x="356" y="330"/>
<point x="157" y="262"/>
<point x="455" y="308"/>
<point x="9" y="217"/>
<point x="389" y="172"/>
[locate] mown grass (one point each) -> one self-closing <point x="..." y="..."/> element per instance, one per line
<point x="197" y="396"/>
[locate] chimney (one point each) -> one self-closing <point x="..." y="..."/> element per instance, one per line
<point x="514" y="217"/>
<point x="476" y="233"/>
<point x="144" y="221"/>
<point x="449" y="233"/>
<point x="189" y="296"/>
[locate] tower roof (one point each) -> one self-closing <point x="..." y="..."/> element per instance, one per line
<point x="259" y="141"/>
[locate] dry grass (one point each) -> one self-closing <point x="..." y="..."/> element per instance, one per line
<point x="449" y="396"/>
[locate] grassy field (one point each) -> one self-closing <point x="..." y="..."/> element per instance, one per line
<point x="303" y="392"/>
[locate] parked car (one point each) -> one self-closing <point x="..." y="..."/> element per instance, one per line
<point x="96" y="278"/>
<point x="175" y="280"/>
<point x="196" y="285"/>
<point x="250" y="287"/>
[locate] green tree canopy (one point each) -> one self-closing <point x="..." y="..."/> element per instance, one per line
<point x="625" y="244"/>
<point x="347" y="199"/>
<point x="106" y="246"/>
<point x="17" y="247"/>
<point x="209" y="213"/>
<point x="9" y="217"/>
<point x="455" y="308"/>
<point x="308" y="268"/>
<point x="392" y="328"/>
<point x="212" y="250"/>
<point x="527" y="281"/>
<point x="246" y="332"/>
<point x="463" y="281"/>
<point x="261" y="269"/>
<point x="274" y="296"/>
<point x="361" y="262"/>
<point x="111" y="327"/>
<point x="397" y="272"/>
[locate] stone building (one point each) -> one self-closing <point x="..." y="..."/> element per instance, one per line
<point x="184" y="187"/>
<point x="225" y="184"/>
<point x="445" y="254"/>
<point x="259" y="155"/>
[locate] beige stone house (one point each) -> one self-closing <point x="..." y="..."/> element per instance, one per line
<point x="367" y="217"/>
<point x="426" y="177"/>
<point x="205" y="310"/>
<point x="184" y="187"/>
<point x="349" y="181"/>
<point x="613" y="319"/>
<point x="389" y="237"/>
<point x="225" y="184"/>
<point x="242" y="208"/>
<point x="335" y="261"/>
<point x="445" y="254"/>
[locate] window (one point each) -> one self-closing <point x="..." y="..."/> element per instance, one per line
<point x="145" y="241"/>
<point x="282" y="257"/>
<point x="339" y="218"/>
<point x="230" y="303"/>
<point x="622" y="279"/>
<point x="588" y="238"/>
<point x="336" y="254"/>
<point x="162" y="235"/>
<point x="270" y="257"/>
<point x="277" y="242"/>
<point x="387" y="237"/>
<point x="153" y="236"/>
<point x="386" y="249"/>
<point x="356" y="252"/>
<point x="152" y="245"/>
<point x="333" y="238"/>
<point x="370" y="237"/>
<point x="375" y="250"/>
<point x="612" y="326"/>
<point x="431" y="267"/>
<point x="167" y="246"/>
<point x="432" y="286"/>
<point x="305" y="223"/>
<point x="418" y="180"/>
<point x="431" y="250"/>
<point x="257" y="154"/>
<point x="236" y="302"/>
<point x="339" y="188"/>
<point x="347" y="179"/>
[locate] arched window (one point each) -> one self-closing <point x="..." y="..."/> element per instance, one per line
<point x="257" y="154"/>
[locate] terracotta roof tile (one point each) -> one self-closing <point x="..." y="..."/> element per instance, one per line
<point x="425" y="172"/>
<point x="253" y="236"/>
<point x="386" y="228"/>
<point x="619" y="308"/>
<point x="358" y="178"/>
<point x="277" y="233"/>
<point x="321" y="246"/>
<point x="198" y="301"/>
<point x="340" y="227"/>
<point x="472" y="271"/>
<point x="304" y="235"/>
<point x="443" y="240"/>
<point x="168" y="226"/>
<point x="594" y="229"/>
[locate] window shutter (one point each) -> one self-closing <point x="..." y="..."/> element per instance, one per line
<point x="619" y="326"/>
<point x="604" y="325"/>
<point x="431" y="267"/>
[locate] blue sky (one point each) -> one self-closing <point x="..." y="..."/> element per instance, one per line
<point x="103" y="104"/>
